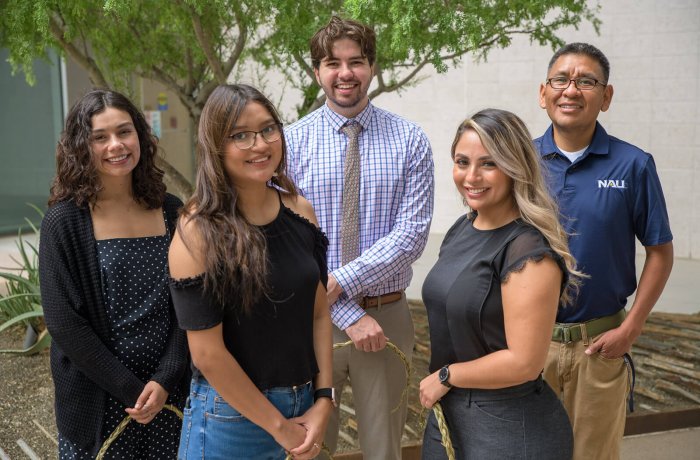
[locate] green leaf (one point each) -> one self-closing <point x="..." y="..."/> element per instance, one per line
<point x="20" y="318"/>
<point x="43" y="342"/>
<point x="27" y="284"/>
<point x="28" y="295"/>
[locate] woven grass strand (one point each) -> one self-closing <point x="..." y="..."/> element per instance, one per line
<point x="444" y="431"/>
<point x="402" y="357"/>
<point x="122" y="426"/>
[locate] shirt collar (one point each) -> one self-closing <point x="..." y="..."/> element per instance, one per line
<point x="600" y="145"/>
<point x="337" y="121"/>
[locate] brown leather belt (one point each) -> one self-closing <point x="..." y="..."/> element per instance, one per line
<point x="373" y="302"/>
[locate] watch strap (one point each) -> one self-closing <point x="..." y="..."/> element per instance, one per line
<point x="444" y="376"/>
<point x="325" y="393"/>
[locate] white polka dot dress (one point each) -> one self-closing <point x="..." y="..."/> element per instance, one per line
<point x="134" y="285"/>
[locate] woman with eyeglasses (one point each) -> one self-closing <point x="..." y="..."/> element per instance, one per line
<point x="248" y="268"/>
<point x="503" y="270"/>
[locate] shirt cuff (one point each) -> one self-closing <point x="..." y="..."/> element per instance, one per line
<point x="347" y="279"/>
<point x="345" y="312"/>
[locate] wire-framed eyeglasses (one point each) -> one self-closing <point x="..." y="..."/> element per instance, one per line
<point x="246" y="139"/>
<point x="581" y="83"/>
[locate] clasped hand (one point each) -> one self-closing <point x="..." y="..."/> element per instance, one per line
<point x="302" y="436"/>
<point x="149" y="403"/>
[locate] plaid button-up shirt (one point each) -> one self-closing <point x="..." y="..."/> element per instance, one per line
<point x="396" y="198"/>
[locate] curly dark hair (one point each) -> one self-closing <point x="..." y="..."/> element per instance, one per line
<point x="76" y="176"/>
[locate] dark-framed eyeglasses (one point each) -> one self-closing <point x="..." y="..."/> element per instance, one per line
<point x="581" y="83"/>
<point x="246" y="139"/>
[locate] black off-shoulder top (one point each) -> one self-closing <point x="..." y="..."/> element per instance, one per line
<point x="274" y="343"/>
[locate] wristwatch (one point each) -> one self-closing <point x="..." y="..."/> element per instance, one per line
<point x="326" y="393"/>
<point x="444" y="375"/>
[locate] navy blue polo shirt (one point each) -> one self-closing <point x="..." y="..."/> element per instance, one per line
<point x="606" y="198"/>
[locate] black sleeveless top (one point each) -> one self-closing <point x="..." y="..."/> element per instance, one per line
<point x="273" y="344"/>
<point x="462" y="292"/>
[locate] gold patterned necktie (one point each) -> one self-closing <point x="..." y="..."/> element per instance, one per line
<point x="350" y="229"/>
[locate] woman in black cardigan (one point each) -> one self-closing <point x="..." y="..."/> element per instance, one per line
<point x="116" y="347"/>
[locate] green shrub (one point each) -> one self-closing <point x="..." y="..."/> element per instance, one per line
<point x="22" y="302"/>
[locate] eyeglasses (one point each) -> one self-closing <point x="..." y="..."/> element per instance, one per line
<point x="246" y="139"/>
<point x="581" y="83"/>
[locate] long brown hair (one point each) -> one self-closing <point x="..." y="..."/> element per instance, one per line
<point x="234" y="251"/>
<point x="76" y="176"/>
<point x="506" y="138"/>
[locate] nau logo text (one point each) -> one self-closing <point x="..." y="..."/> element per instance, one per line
<point x="611" y="183"/>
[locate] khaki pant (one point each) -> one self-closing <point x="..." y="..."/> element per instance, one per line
<point x="594" y="391"/>
<point x="377" y="380"/>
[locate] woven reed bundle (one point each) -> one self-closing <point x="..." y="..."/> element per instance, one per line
<point x="444" y="431"/>
<point x="122" y="426"/>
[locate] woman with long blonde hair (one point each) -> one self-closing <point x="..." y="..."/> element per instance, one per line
<point x="503" y="271"/>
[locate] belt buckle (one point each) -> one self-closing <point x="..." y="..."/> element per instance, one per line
<point x="566" y="334"/>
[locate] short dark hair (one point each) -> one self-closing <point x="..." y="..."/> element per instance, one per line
<point x="321" y="43"/>
<point x="76" y="176"/>
<point x="587" y="50"/>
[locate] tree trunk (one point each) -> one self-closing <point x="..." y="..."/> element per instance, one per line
<point x="176" y="183"/>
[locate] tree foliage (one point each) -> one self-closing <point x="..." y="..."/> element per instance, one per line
<point x="191" y="46"/>
<point x="415" y="34"/>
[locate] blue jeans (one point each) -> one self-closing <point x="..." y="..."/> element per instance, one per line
<point x="213" y="430"/>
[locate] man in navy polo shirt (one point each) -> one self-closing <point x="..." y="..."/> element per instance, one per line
<point x="608" y="193"/>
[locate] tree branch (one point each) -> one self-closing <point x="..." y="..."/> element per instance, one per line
<point x="176" y="183"/>
<point x="380" y="78"/>
<point x="304" y="66"/>
<point x="96" y="76"/>
<point x="238" y="48"/>
<point x="207" y="48"/>
<point x="183" y="95"/>
<point x="203" y="94"/>
<point x="399" y="84"/>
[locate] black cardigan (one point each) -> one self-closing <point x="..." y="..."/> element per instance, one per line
<point x="84" y="370"/>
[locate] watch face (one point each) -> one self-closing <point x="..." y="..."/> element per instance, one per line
<point x="444" y="374"/>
